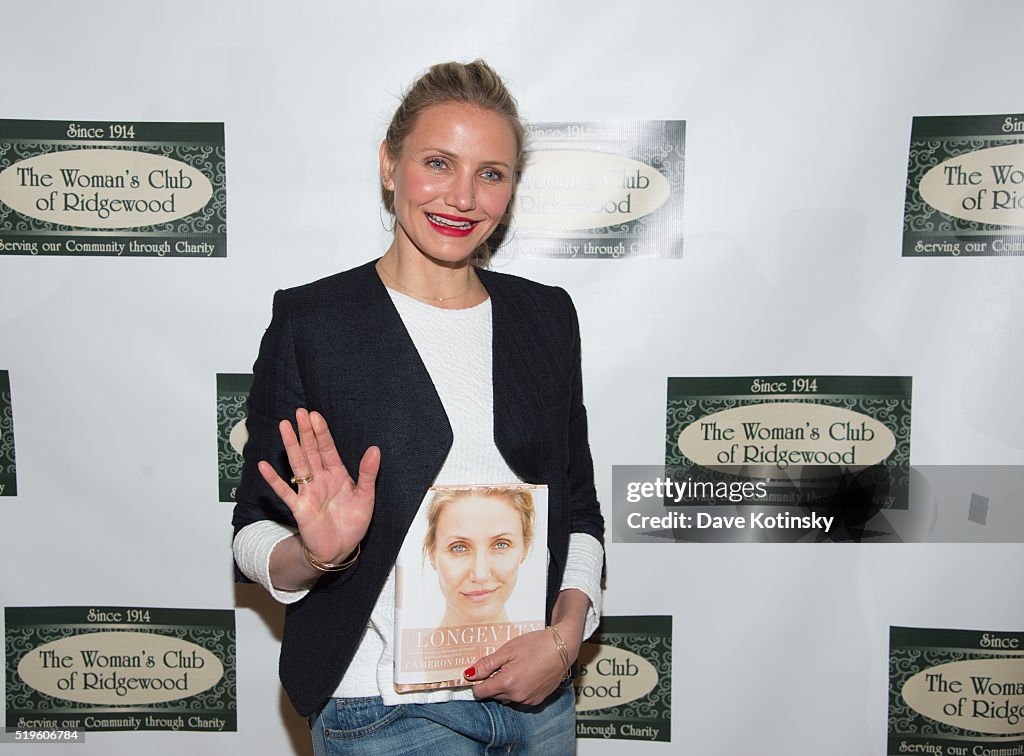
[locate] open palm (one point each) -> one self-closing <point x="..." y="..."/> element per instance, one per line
<point x="331" y="510"/>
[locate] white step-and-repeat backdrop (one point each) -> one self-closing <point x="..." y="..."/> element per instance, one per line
<point x="793" y="234"/>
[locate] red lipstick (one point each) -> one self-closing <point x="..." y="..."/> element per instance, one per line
<point x="451" y="225"/>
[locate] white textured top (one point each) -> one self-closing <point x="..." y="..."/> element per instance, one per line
<point x="455" y="346"/>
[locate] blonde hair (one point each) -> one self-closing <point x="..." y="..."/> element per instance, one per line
<point x="520" y="498"/>
<point x="473" y="83"/>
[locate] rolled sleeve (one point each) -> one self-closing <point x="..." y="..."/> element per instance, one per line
<point x="583" y="572"/>
<point x="252" y="548"/>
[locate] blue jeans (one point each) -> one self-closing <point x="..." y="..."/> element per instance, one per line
<point x="456" y="728"/>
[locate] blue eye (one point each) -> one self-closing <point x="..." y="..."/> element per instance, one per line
<point x="458" y="548"/>
<point x="437" y="163"/>
<point x="492" y="175"/>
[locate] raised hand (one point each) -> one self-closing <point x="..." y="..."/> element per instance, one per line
<point x="331" y="510"/>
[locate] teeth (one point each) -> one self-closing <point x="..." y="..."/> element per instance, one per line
<point x="463" y="225"/>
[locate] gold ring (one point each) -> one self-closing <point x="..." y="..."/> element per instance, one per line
<point x="306" y="479"/>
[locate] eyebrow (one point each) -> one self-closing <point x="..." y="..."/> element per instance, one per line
<point x="506" y="534"/>
<point x="450" y="154"/>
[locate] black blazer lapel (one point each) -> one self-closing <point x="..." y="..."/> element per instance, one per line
<point x="381" y="394"/>
<point x="520" y="420"/>
<point x="419" y="435"/>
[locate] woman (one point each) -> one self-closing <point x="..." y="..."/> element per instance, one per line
<point x="429" y="370"/>
<point x="476" y="541"/>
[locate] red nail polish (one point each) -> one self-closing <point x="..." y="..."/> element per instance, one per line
<point x="470" y="672"/>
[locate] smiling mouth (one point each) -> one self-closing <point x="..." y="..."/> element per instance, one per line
<point x="452" y="223"/>
<point x="479" y="596"/>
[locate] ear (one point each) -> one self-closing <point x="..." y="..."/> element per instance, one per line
<point x="387" y="166"/>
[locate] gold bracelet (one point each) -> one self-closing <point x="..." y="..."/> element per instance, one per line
<point x="316" y="564"/>
<point x="563" y="650"/>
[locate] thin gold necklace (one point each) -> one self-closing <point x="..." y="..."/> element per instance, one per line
<point x="392" y="279"/>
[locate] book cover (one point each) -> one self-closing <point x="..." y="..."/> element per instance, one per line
<point x="470" y="576"/>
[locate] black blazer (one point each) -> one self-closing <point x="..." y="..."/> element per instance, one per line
<point x="339" y="346"/>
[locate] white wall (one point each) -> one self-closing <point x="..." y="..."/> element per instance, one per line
<point x="798" y="122"/>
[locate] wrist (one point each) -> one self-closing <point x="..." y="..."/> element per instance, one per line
<point x="561" y="647"/>
<point x="570" y="613"/>
<point x="289" y="570"/>
<point x="572" y="635"/>
<point x="337" y="565"/>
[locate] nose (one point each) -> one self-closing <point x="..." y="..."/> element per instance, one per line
<point x="481" y="566"/>
<point x="462" y="192"/>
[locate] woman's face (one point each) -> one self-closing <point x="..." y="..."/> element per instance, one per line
<point x="452" y="181"/>
<point x="477" y="554"/>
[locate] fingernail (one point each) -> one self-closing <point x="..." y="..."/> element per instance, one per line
<point x="470" y="672"/>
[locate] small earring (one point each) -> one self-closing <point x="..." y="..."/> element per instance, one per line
<point x="507" y="231"/>
<point x="382" y="223"/>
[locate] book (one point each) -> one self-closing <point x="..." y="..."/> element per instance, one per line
<point x="470" y="576"/>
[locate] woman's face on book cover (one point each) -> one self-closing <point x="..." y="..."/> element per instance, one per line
<point x="477" y="554"/>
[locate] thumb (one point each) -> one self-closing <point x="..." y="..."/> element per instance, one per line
<point x="369" y="465"/>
